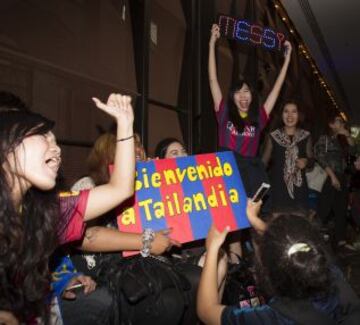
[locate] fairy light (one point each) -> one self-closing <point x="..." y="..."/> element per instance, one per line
<point x="303" y="49"/>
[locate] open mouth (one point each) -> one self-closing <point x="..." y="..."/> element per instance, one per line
<point x="244" y="102"/>
<point x="53" y="163"/>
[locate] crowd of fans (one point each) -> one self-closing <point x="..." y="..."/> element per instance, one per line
<point x="60" y="252"/>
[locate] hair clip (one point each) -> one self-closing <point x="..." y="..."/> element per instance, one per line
<point x="298" y="247"/>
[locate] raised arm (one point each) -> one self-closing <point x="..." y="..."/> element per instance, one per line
<point x="253" y="211"/>
<point x="209" y="308"/>
<point x="121" y="184"/>
<point x="213" y="79"/>
<point x="274" y="93"/>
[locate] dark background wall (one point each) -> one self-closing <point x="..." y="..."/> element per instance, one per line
<point x="57" y="54"/>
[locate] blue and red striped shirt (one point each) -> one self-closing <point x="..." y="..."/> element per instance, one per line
<point x="245" y="143"/>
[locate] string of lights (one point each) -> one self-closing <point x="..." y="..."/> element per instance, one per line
<point x="303" y="50"/>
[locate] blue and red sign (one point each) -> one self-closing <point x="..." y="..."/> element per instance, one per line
<point x="252" y="33"/>
<point x="187" y="194"/>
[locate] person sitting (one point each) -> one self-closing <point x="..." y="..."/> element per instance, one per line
<point x="169" y="303"/>
<point x="80" y="299"/>
<point x="34" y="220"/>
<point x="292" y="268"/>
<point x="170" y="148"/>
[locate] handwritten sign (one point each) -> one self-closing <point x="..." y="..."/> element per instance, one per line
<point x="187" y="194"/>
<point x="252" y="33"/>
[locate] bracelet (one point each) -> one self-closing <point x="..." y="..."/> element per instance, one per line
<point x="124" y="139"/>
<point x="147" y="238"/>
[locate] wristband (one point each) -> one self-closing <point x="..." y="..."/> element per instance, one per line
<point x="147" y="238"/>
<point x="124" y="139"/>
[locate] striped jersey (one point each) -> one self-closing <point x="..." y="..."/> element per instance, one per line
<point x="245" y="143"/>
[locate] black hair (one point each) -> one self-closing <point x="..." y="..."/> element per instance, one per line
<point x="279" y="123"/>
<point x="163" y="145"/>
<point x="253" y="113"/>
<point x="299" y="275"/>
<point x="331" y="117"/>
<point x="9" y="101"/>
<point x="29" y="236"/>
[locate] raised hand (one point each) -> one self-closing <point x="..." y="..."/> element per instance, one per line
<point x="119" y="107"/>
<point x="215" y="33"/>
<point x="288" y="50"/>
<point x="215" y="238"/>
<point x="253" y="211"/>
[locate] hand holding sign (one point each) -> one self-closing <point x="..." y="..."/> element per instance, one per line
<point x="162" y="242"/>
<point x="186" y="195"/>
<point x="215" y="238"/>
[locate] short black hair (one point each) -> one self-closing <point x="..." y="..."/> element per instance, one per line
<point x="299" y="275"/>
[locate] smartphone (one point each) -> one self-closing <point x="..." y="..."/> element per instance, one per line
<point x="260" y="193"/>
<point x="75" y="286"/>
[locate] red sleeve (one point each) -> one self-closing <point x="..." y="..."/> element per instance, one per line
<point x="72" y="210"/>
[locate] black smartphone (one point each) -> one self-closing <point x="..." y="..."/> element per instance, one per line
<point x="260" y="193"/>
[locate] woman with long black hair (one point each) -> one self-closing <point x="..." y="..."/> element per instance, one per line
<point x="33" y="221"/>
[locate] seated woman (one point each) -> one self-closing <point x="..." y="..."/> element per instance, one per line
<point x="170" y="148"/>
<point x="30" y="223"/>
<point x="170" y="304"/>
<point x="173" y="148"/>
<point x="292" y="268"/>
